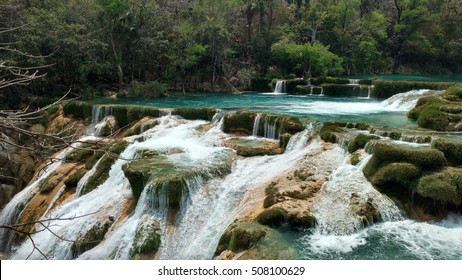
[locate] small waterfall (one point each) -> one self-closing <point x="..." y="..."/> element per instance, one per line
<point x="13" y="209"/>
<point x="99" y="115"/>
<point x="280" y="86"/>
<point x="369" y="90"/>
<point x="256" y="125"/>
<point x="333" y="210"/>
<point x="407" y="100"/>
<point x="353" y="82"/>
<point x="270" y="129"/>
<point x="311" y="90"/>
<point x="322" y="91"/>
<point x="165" y="112"/>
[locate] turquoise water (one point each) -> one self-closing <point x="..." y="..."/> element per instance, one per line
<point x="320" y="108"/>
<point x="424" y="78"/>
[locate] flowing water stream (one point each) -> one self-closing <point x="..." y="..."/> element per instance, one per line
<point x="214" y="203"/>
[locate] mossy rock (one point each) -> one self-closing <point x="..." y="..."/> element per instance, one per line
<point x="451" y="150"/>
<point x="397" y="175"/>
<point x="255" y="242"/>
<point x="80" y="153"/>
<point x="241" y="236"/>
<point x="251" y="148"/>
<point x="284" y="140"/>
<point x="340" y="90"/>
<point x="91" y="238"/>
<point x="205" y="114"/>
<point x="97" y="155"/>
<point x="48" y="184"/>
<point x="167" y="181"/>
<point x="329" y="132"/>
<point x="454" y="93"/>
<point x="74" y="179"/>
<point x="385" y="89"/>
<point x="240" y="123"/>
<point x="437" y="114"/>
<point x="141" y="126"/>
<point x="104" y="166"/>
<point x="445" y="187"/>
<point x="306" y="90"/>
<point x="147" y="237"/>
<point x="78" y="109"/>
<point x="354" y="159"/>
<point x="429" y="159"/>
<point x="273" y="217"/>
<point x="360" y="141"/>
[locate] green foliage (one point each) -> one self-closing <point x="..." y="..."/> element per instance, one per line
<point x="453" y="94"/>
<point x="152" y="89"/>
<point x="261" y="84"/>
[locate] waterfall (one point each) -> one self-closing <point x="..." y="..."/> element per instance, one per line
<point x="354" y="82"/>
<point x="280" y="86"/>
<point x="270" y="129"/>
<point x="98" y="118"/>
<point x="256" y="125"/>
<point x="369" y="92"/>
<point x="407" y="100"/>
<point x="332" y="208"/>
<point x="13" y="209"/>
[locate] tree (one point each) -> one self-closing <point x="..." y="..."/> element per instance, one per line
<point x="408" y="17"/>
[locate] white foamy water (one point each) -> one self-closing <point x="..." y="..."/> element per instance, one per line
<point x="404" y="239"/>
<point x="407" y="100"/>
<point x="332" y="208"/>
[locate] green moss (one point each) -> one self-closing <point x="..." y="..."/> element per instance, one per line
<point x="386" y="89"/>
<point x="205" y="114"/>
<point x="136" y="113"/>
<point x="102" y="170"/>
<point x="46" y="185"/>
<point x="453" y="93"/>
<point x="251" y="148"/>
<point x="80" y="153"/>
<point x="354" y="159"/>
<point x="147" y="237"/>
<point x="120" y="113"/>
<point x="272" y="217"/>
<point x="451" y="150"/>
<point x="78" y="109"/>
<point x="167" y="181"/>
<point x="345" y="90"/>
<point x="241" y="236"/>
<point x="445" y="187"/>
<point x="360" y="141"/>
<point x="74" y="179"/>
<point x="397" y="175"/>
<point x="284" y="140"/>
<point x="91" y="238"/>
<point x="424" y="158"/>
<point x="239" y="123"/>
<point x="94" y="159"/>
<point x="328" y="132"/>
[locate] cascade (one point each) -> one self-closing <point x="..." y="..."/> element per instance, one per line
<point x="13" y="209"/>
<point x="369" y="92"/>
<point x="99" y="115"/>
<point x="256" y="125"/>
<point x="270" y="128"/>
<point x="311" y="90"/>
<point x="353" y="82"/>
<point x="280" y="86"/>
<point x="407" y="100"/>
<point x="333" y="209"/>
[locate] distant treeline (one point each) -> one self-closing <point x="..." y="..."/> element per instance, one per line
<point x="97" y="45"/>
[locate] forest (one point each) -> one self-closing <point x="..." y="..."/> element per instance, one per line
<point x="93" y="46"/>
